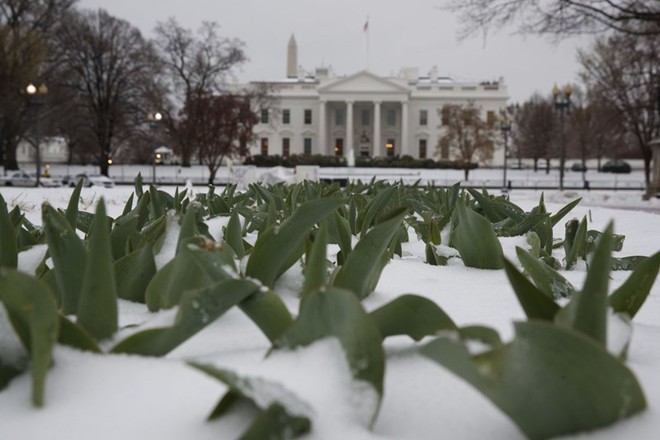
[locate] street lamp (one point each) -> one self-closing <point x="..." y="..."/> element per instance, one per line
<point x="154" y="119"/>
<point x="36" y="99"/>
<point x="562" y="100"/>
<point x="505" y="127"/>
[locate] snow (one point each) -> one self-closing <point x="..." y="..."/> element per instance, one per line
<point x="125" y="396"/>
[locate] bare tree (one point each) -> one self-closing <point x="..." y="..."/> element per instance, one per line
<point x="467" y="135"/>
<point x="594" y="129"/>
<point x="25" y="28"/>
<point x="536" y="130"/>
<point x="222" y="127"/>
<point x="559" y="17"/>
<point x="196" y="65"/>
<point x="621" y="70"/>
<point x="106" y="65"/>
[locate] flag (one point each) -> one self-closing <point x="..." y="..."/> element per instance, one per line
<point x="366" y="25"/>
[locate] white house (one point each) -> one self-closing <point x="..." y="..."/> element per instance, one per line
<point x="367" y="114"/>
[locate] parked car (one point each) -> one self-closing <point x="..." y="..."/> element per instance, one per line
<point x="616" y="166"/>
<point x="91" y="180"/>
<point x="578" y="166"/>
<point x="22" y="178"/>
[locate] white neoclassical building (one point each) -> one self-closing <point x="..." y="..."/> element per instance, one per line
<point x="365" y="114"/>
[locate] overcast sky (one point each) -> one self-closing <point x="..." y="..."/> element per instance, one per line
<point x="400" y="34"/>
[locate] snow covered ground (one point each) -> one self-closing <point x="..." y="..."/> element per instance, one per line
<point x="130" y="397"/>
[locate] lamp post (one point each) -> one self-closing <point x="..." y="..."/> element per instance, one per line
<point x="36" y="98"/>
<point x="562" y="99"/>
<point x="154" y="119"/>
<point x="505" y="127"/>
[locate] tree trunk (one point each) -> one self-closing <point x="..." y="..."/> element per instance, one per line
<point x="10" y="156"/>
<point x="466" y="172"/>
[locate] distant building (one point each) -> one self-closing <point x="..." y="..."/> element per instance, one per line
<point x="321" y="113"/>
<point x="52" y="149"/>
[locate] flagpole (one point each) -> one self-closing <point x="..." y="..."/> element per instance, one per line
<point x="366" y="30"/>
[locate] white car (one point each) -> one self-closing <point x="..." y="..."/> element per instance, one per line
<point x="92" y="180"/>
<point x="21" y="178"/>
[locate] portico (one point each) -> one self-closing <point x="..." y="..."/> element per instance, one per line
<point x="353" y="107"/>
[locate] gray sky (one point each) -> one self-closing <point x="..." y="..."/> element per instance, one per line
<point x="413" y="33"/>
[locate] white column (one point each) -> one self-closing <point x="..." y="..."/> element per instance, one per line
<point x="376" y="149"/>
<point x="404" y="129"/>
<point x="323" y="144"/>
<point x="349" y="130"/>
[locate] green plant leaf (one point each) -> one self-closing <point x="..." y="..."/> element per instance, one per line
<point x="97" y="308"/>
<point x="535" y="303"/>
<point x="475" y="240"/>
<point x="340" y="233"/>
<point x="281" y="245"/>
<point x="548" y="280"/>
<point x="134" y="272"/>
<point x="362" y="268"/>
<point x="276" y="422"/>
<point x="316" y="267"/>
<point x="72" y="208"/>
<point x="577" y="247"/>
<point x="234" y="235"/>
<point x="128" y="206"/>
<point x="337" y="312"/>
<point x="123" y="228"/>
<point x="482" y="334"/>
<point x="137" y="182"/>
<point x="549" y="380"/>
<point x="411" y="315"/>
<point x="627" y="263"/>
<point x="555" y="218"/>
<point x="586" y="312"/>
<point x="178" y="275"/>
<point x="283" y="415"/>
<point x="198" y="308"/>
<point x="8" y="240"/>
<point x="375" y="206"/>
<point x="187" y="230"/>
<point x="7" y="373"/>
<point x="632" y="294"/>
<point x="33" y="314"/>
<point x="69" y="258"/>
<point x="268" y="312"/>
<point x="157" y="208"/>
<point x="486" y="205"/>
<point x="75" y="336"/>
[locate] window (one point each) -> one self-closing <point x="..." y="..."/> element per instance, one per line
<point x="445" y="115"/>
<point x="389" y="146"/>
<point x="264" y="116"/>
<point x="307" y="146"/>
<point x="264" y="146"/>
<point x="308" y="116"/>
<point x="365" y="118"/>
<point x="391" y="118"/>
<point x="490" y="118"/>
<point x="423" y="117"/>
<point x="286" y="147"/>
<point x="339" y="147"/>
<point x="339" y="117"/>
<point x="286" y="116"/>
<point x="422" y="148"/>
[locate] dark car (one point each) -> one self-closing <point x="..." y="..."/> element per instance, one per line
<point x="578" y="166"/>
<point x="616" y="166"/>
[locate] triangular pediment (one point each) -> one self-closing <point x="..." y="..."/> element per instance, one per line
<point x="363" y="82"/>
